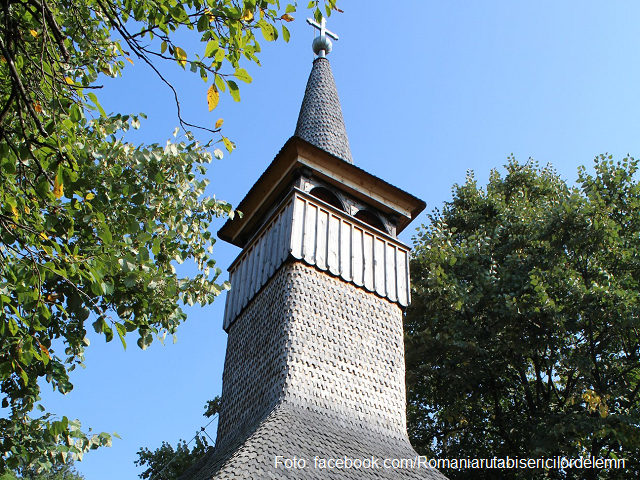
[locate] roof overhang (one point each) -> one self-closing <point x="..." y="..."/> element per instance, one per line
<point x="298" y="154"/>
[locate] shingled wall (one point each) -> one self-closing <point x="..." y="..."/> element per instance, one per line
<point x="320" y="343"/>
<point x="314" y="367"/>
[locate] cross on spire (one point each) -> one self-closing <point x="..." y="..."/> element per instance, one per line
<point x="321" y="44"/>
<point x="322" y="28"/>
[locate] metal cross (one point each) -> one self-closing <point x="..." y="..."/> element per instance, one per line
<point x="322" y="28"/>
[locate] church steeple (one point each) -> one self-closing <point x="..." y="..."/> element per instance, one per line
<point x="320" y="121"/>
<point x="314" y="368"/>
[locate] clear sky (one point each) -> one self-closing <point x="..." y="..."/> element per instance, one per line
<point x="429" y="90"/>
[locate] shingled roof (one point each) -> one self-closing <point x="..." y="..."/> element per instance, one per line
<point x="290" y="432"/>
<point x="320" y="120"/>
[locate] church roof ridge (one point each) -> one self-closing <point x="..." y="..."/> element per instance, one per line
<point x="320" y="121"/>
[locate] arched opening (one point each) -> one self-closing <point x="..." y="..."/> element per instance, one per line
<point x="327" y="196"/>
<point x="370" y="218"/>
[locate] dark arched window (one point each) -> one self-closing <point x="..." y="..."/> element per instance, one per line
<point x="370" y="218"/>
<point x="328" y="196"/>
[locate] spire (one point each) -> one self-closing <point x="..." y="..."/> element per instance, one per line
<point x="320" y="121"/>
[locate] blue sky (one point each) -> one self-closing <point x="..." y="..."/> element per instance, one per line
<point x="429" y="90"/>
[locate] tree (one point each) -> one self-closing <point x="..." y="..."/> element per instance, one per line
<point x="90" y="225"/>
<point x="523" y="337"/>
<point x="60" y="471"/>
<point x="167" y="463"/>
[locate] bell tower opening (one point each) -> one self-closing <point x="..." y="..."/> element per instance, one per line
<point x="327" y="196"/>
<point x="370" y="218"/>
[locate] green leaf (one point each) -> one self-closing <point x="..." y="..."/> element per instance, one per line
<point x="241" y="74"/>
<point x="120" y="328"/>
<point x="221" y="84"/>
<point x="234" y="90"/>
<point x="285" y="34"/>
<point x="94" y="99"/>
<point x="13" y="326"/>
<point x="75" y="113"/>
<point x="156" y="246"/>
<point x="138" y="199"/>
<point x="212" y="48"/>
<point x="105" y="235"/>
<point x="9" y="166"/>
<point x="268" y="31"/>
<point x="144" y="237"/>
<point x="145" y="340"/>
<point x="203" y="23"/>
<point x="99" y="325"/>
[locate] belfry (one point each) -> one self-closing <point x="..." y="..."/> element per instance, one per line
<point x="314" y="376"/>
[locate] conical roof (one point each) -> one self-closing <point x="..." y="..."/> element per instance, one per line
<point x="320" y="120"/>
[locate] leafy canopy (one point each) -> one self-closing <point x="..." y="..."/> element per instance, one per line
<point x="523" y="337"/>
<point x="91" y="225"/>
<point x="58" y="472"/>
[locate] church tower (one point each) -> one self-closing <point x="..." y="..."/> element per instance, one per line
<point x="314" y="376"/>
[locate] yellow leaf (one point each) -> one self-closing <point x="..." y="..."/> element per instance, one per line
<point x="27" y="210"/>
<point x="181" y="55"/>
<point x="52" y="297"/>
<point x="130" y="61"/>
<point x="90" y="196"/>
<point x="44" y="236"/>
<point x="37" y="107"/>
<point x="58" y="188"/>
<point x="604" y="410"/>
<point x="287" y="18"/>
<point x="212" y="97"/>
<point x="68" y="80"/>
<point x="14" y="210"/>
<point x="219" y="123"/>
<point x="34" y="33"/>
<point x="44" y="350"/>
<point x="248" y="16"/>
<point x="228" y="144"/>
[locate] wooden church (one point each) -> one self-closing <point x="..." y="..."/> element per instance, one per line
<point x="314" y="376"/>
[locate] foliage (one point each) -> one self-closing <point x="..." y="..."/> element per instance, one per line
<point x="523" y="337"/>
<point x="212" y="407"/>
<point x="90" y="225"/>
<point x="59" y="471"/>
<point x="167" y="463"/>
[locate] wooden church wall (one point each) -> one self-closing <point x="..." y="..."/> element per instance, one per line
<point x="310" y="230"/>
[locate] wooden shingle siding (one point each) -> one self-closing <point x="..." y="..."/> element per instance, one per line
<point x="321" y="235"/>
